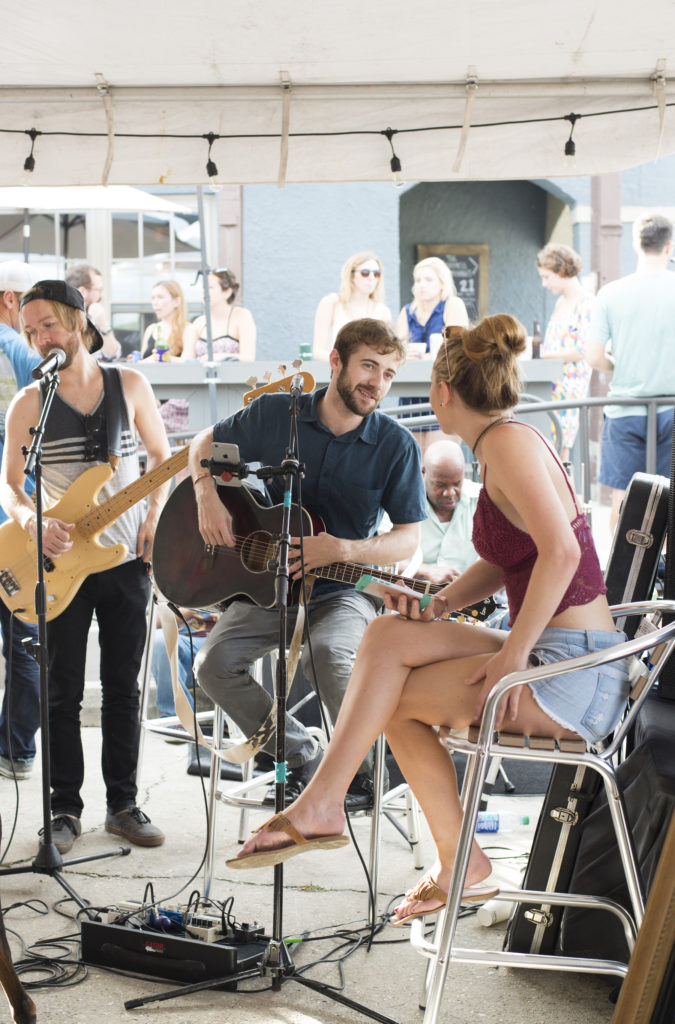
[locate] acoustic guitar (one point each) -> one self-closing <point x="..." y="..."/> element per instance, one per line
<point x="198" y="575"/>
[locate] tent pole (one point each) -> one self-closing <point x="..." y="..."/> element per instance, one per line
<point x="211" y="369"/>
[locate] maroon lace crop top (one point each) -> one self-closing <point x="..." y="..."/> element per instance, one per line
<point x="500" y="543"/>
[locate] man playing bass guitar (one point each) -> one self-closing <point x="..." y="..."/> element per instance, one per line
<point x="93" y="422"/>
<point x="359" y="463"/>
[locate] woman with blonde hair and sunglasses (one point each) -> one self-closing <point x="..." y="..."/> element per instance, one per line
<point x="361" y="295"/>
<point x="233" y="331"/>
<point x="415" y="671"/>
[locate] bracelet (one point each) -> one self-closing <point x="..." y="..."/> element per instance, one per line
<point x="201" y="476"/>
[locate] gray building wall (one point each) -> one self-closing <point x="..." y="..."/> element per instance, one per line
<point x="295" y="241"/>
<point x="509" y="216"/>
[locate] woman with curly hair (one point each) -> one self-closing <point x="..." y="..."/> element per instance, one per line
<point x="567" y="332"/>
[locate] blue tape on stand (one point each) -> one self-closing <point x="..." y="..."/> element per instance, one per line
<point x="280" y="771"/>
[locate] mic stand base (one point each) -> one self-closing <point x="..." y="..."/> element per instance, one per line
<point x="49" y="861"/>
<point x="275" y="960"/>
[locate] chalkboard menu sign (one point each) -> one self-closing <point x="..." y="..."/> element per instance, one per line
<point x="468" y="265"/>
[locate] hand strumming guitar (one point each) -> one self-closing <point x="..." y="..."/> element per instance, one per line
<point x="215" y="522"/>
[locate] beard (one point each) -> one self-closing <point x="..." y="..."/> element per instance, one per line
<point x="351" y="397"/>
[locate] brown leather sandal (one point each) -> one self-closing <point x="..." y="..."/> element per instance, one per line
<point x="426" y="889"/>
<point x="278" y="854"/>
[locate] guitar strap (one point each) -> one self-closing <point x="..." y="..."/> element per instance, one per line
<point x="244" y="751"/>
<point x="113" y="404"/>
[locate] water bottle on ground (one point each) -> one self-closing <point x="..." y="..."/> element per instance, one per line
<point x="503" y="821"/>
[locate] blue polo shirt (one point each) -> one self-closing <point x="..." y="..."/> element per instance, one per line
<point x="350" y="480"/>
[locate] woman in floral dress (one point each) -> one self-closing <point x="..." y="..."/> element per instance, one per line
<point x="567" y="332"/>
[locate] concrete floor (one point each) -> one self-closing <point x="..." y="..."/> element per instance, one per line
<point x="323" y="892"/>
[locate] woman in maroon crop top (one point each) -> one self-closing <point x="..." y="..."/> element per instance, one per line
<point x="414" y="673"/>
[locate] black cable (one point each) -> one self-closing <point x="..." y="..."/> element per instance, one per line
<point x="329" y="134"/>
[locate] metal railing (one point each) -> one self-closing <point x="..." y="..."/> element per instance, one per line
<point x="420" y="415"/>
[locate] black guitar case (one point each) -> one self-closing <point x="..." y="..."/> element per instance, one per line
<point x="667" y="676"/>
<point x="647" y="784"/>
<point x="630" y="575"/>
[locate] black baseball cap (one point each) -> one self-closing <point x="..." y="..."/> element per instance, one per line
<point x="59" y="291"/>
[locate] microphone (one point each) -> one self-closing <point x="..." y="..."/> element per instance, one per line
<point x="50" y="364"/>
<point x="297" y="385"/>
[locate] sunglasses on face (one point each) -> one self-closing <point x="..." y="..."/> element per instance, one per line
<point x="367" y="273"/>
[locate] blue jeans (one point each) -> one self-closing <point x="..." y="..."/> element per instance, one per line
<point x="21" y="704"/>
<point x="244" y="632"/>
<point x="161" y="669"/>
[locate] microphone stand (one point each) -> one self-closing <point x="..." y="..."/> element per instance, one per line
<point x="48" y="860"/>
<point x="275" y="959"/>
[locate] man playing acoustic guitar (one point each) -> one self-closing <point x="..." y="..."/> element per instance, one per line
<point x="94" y="420"/>
<point x="359" y="463"/>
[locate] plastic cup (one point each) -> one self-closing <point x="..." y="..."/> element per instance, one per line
<point x="435" y="342"/>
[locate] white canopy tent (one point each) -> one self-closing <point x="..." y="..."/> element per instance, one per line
<point x="475" y="89"/>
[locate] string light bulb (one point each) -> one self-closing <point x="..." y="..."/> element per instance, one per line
<point x="211" y="168"/>
<point x="29" y="162"/>
<point x="570" y="145"/>
<point x="394" y="163"/>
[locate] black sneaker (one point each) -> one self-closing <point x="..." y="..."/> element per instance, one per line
<point x="298" y="780"/>
<point x="65" y="830"/>
<point x="135" y="826"/>
<point x="360" y="795"/>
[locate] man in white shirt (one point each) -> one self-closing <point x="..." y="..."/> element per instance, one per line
<point x="446" y="544"/>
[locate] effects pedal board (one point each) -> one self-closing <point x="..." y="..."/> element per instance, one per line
<point x="160" y="955"/>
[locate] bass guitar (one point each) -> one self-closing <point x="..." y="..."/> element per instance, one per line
<point x="64" y="575"/>
<point x="198" y="575"/>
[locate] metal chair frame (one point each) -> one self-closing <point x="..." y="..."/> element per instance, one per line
<point x="442" y="949"/>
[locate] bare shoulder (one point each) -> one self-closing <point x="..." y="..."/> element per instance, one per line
<point x="25" y="402"/>
<point x="454" y="313"/>
<point x="136" y="386"/>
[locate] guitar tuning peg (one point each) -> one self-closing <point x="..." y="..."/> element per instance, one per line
<point x="296" y="364"/>
<point x="267" y="376"/>
<point x="251" y="381"/>
<point x="281" y="369"/>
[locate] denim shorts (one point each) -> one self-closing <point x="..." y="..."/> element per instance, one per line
<point x="624" y="448"/>
<point x="589" y="702"/>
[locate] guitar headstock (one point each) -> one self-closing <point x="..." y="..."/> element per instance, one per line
<point x="478" y="612"/>
<point x="282" y="385"/>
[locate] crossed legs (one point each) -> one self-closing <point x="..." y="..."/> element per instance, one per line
<point x="408" y="678"/>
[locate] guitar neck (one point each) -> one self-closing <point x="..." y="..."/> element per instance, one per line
<point x="350" y="572"/>
<point x="102" y="515"/>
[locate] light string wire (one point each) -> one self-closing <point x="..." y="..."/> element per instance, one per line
<point x="388" y="133"/>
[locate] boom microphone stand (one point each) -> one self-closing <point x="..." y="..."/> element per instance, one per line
<point x="275" y="959"/>
<point x="48" y="860"/>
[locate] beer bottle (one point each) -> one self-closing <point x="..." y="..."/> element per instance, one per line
<point x="536" y="340"/>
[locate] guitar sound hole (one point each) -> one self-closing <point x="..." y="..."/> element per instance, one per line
<point x="257" y="550"/>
